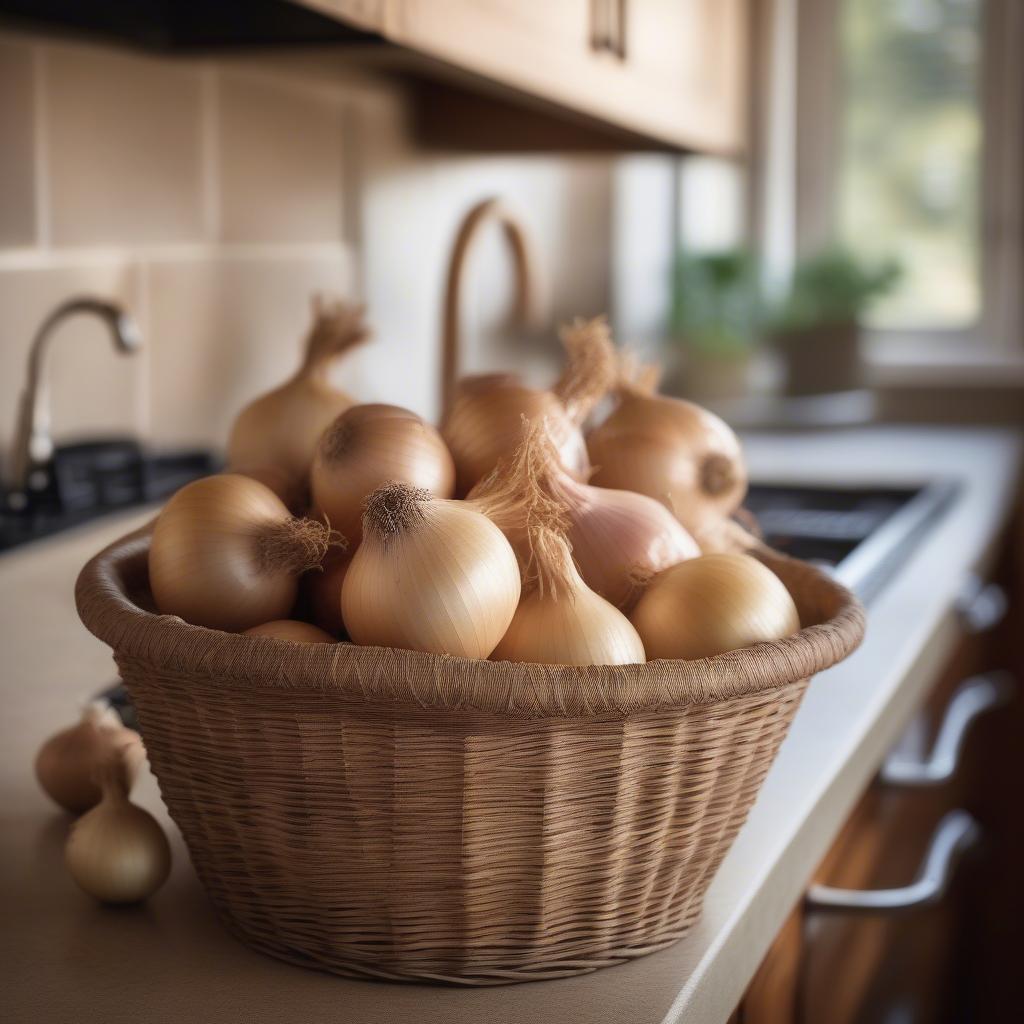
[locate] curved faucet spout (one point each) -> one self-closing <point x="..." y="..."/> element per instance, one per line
<point x="526" y="293"/>
<point x="33" y="445"/>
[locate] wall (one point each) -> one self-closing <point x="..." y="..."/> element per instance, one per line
<point x="213" y="197"/>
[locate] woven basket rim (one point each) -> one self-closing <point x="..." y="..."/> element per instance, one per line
<point x="112" y="591"/>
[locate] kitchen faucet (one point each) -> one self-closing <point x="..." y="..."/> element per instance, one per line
<point x="526" y="292"/>
<point x="33" y="445"/>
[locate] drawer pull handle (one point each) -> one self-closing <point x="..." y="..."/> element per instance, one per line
<point x="981" y="606"/>
<point x="974" y="697"/>
<point x="956" y="833"/>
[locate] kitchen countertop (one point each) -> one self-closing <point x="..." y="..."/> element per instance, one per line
<point x="67" y="959"/>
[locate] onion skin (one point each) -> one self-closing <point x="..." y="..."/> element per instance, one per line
<point x="210" y="561"/>
<point x="368" y="446"/>
<point x="294" y="630"/>
<point x="66" y="763"/>
<point x="673" y="451"/>
<point x="322" y="589"/>
<point x="713" y="604"/>
<point x="430" y="575"/>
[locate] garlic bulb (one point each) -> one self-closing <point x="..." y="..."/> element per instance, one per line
<point x="713" y="604"/>
<point x="66" y="763"/>
<point x="619" y="538"/>
<point x="484" y="423"/>
<point x="227" y="554"/>
<point x="671" y="450"/>
<point x="117" y="852"/>
<point x="561" y="621"/>
<point x="367" y="446"/>
<point x="280" y="429"/>
<point x="430" y="575"/>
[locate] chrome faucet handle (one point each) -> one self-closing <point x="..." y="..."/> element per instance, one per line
<point x="33" y="444"/>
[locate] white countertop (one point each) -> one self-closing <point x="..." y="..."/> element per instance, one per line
<point x="66" y="959"/>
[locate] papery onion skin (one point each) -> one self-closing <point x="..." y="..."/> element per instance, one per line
<point x="430" y="575"/>
<point x="673" y="451"/>
<point x="713" y="604"/>
<point x="294" y="630"/>
<point x="281" y="428"/>
<point x="322" y="590"/>
<point x="226" y="554"/>
<point x="66" y="763"/>
<point x="367" y="446"/>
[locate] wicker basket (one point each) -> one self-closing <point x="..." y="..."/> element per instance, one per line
<point x="390" y="814"/>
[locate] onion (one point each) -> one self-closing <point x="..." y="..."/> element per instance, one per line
<point x="560" y="620"/>
<point x="294" y="630"/>
<point x="484" y="424"/>
<point x="430" y="575"/>
<point x="322" y="590"/>
<point x="226" y="553"/>
<point x="671" y="450"/>
<point x="367" y="446"/>
<point x="618" y="538"/>
<point x="713" y="604"/>
<point x="67" y="762"/>
<point x="117" y="852"/>
<point x="280" y="429"/>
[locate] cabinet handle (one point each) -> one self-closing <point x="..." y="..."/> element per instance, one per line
<point x="980" y="605"/>
<point x="956" y="833"/>
<point x="608" y="27"/>
<point x="974" y="697"/>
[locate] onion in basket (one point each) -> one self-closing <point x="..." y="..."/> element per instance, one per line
<point x="367" y="446"/>
<point x="713" y="604"/>
<point x="226" y="553"/>
<point x="292" y="629"/>
<point x="560" y="620"/>
<point x="617" y="537"/>
<point x="430" y="575"/>
<point x="485" y="424"/>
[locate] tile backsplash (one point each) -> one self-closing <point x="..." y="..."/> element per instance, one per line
<point x="213" y="197"/>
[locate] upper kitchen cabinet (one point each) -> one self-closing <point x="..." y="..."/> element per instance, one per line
<point x="667" y="73"/>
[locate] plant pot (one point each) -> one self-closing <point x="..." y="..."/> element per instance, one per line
<point x="708" y="377"/>
<point x="821" y="359"/>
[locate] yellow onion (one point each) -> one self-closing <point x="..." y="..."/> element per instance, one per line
<point x="279" y="430"/>
<point x="226" y="553"/>
<point x="67" y="762"/>
<point x="430" y="575"/>
<point x="560" y="620"/>
<point x="485" y="422"/>
<point x="672" y="450"/>
<point x="294" y="630"/>
<point x="619" y="538"/>
<point x="322" y="590"/>
<point x="713" y="604"/>
<point x="367" y="446"/>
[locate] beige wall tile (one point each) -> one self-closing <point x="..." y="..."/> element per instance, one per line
<point x="123" y="139"/>
<point x="93" y="389"/>
<point x="17" y="144"/>
<point x="225" y="331"/>
<point x="280" y="162"/>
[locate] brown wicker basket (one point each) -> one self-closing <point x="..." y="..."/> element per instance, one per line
<point x="391" y="814"/>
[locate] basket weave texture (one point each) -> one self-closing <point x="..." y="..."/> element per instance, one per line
<point x="391" y="814"/>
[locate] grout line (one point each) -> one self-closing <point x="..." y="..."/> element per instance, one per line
<point x="209" y="148"/>
<point x="41" y="150"/>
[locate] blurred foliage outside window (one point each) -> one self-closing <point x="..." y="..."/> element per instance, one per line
<point x="910" y="158"/>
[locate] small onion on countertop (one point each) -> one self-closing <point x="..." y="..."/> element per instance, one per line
<point x="713" y="604"/>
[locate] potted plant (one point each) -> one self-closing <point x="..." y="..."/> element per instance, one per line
<point x="817" y="325"/>
<point x="716" y="317"/>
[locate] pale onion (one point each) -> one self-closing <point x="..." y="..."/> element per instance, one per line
<point x="560" y="620"/>
<point x="67" y="762"/>
<point x="322" y="590"/>
<point x="292" y="629"/>
<point x="281" y="428"/>
<point x="226" y="553"/>
<point x="117" y="852"/>
<point x="713" y="604"/>
<point x="485" y="424"/>
<point x="430" y="575"/>
<point x="369" y="445"/>
<point x="619" y="539"/>
<point x="672" y="450"/>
